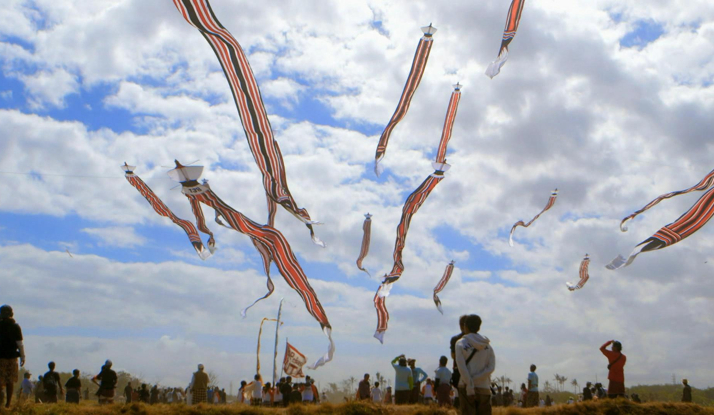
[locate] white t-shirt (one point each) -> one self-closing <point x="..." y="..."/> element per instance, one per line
<point x="376" y="395"/>
<point x="428" y="391"/>
<point x="277" y="396"/>
<point x="307" y="393"/>
<point x="257" y="389"/>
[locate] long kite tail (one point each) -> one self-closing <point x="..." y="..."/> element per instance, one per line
<point x="704" y="184"/>
<point x="249" y="104"/>
<point x="366" y="238"/>
<point x="163" y="210"/>
<point x="442" y="284"/>
<point x="686" y="225"/>
<point x="509" y="32"/>
<point x="421" y="56"/>
<point x="584" y="275"/>
<point x="280" y="252"/>
<point x="267" y="259"/>
<point x="201" y="223"/>
<point x="551" y="202"/>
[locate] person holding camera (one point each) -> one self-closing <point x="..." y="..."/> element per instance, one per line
<point x="616" y="369"/>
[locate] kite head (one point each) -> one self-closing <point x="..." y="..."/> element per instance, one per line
<point x="185" y="174"/>
<point x="441" y="167"/>
<point x="457" y="87"/>
<point x="128" y="169"/>
<point x="428" y="30"/>
<point x="554" y="193"/>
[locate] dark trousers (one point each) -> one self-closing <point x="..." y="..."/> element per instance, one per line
<point x="480" y="406"/>
<point x="72" y="397"/>
<point x="402" y="397"/>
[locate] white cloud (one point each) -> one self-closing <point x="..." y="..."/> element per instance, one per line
<point x="611" y="127"/>
<point x="119" y="236"/>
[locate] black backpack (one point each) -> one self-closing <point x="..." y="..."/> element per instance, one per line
<point x="50" y="383"/>
<point x="456" y="376"/>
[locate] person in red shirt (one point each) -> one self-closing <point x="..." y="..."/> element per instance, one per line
<point x="616" y="367"/>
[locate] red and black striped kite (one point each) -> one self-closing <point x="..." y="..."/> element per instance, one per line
<point x="270" y="242"/>
<point x="693" y="220"/>
<point x="411" y="206"/>
<point x="584" y="276"/>
<point x="163" y="210"/>
<point x="421" y="56"/>
<point x="514" y="17"/>
<point x="704" y="184"/>
<point x="251" y="109"/>
<point x="366" y="237"/>
<point x="551" y="202"/>
<point x="442" y="284"/>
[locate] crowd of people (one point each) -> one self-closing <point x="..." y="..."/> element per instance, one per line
<point x="467" y="385"/>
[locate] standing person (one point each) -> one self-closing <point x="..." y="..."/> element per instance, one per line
<point x="144" y="394"/>
<point x="307" y="392"/>
<point x="199" y="385"/>
<point x="599" y="391"/>
<point x="127" y="392"/>
<point x="74" y="387"/>
<point x="268" y="395"/>
<point x="442" y="382"/>
<point x="107" y="383"/>
<point x="476" y="361"/>
<point x="548" y="401"/>
<point x="154" y="395"/>
<point x="686" y="392"/>
<point x="524" y="395"/>
<point x="452" y="345"/>
<point x="402" y="380"/>
<point x="532" y="399"/>
<point x="616" y="369"/>
<point x="418" y="376"/>
<point x="40" y="390"/>
<point x="388" y="395"/>
<point x="295" y="395"/>
<point x="286" y="390"/>
<point x="363" y="392"/>
<point x="278" y="394"/>
<point x="26" y="387"/>
<point x="376" y="393"/>
<point x="51" y="383"/>
<point x="11" y="347"/>
<point x="256" y="387"/>
<point x="587" y="392"/>
<point x="427" y="391"/>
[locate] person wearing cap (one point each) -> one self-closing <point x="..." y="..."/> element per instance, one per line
<point x="199" y="385"/>
<point x="616" y="369"/>
<point x="686" y="392"/>
<point x="107" y="383"/>
<point x="11" y="348"/>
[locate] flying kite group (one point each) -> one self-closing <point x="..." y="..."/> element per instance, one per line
<point x="272" y="245"/>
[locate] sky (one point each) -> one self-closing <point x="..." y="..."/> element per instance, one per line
<point x="606" y="100"/>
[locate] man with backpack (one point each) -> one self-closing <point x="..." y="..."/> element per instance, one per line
<point x="107" y="383"/>
<point x="476" y="361"/>
<point x="51" y="383"/>
<point x="616" y="369"/>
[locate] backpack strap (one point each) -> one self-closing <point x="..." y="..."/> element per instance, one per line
<point x="471" y="356"/>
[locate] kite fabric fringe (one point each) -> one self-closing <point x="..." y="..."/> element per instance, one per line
<point x="584" y="276"/>
<point x="327" y="357"/>
<point x="251" y="109"/>
<point x="411" y="207"/>
<point x="551" y="202"/>
<point x="509" y="32"/>
<point x="163" y="210"/>
<point x="366" y="238"/>
<point x="704" y="184"/>
<point x="442" y="284"/>
<point x="270" y="242"/>
<point x="691" y="221"/>
<point x="421" y="56"/>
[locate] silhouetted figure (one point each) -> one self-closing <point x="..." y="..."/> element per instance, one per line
<point x="686" y="392"/>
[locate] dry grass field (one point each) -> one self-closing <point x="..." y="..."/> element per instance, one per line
<point x="605" y="407"/>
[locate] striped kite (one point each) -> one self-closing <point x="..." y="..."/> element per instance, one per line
<point x="514" y="17"/>
<point x="442" y="284"/>
<point x="251" y="109"/>
<point x="584" y="277"/>
<point x="693" y="220"/>
<point x="366" y="237"/>
<point x="270" y="243"/>
<point x="421" y="56"/>
<point x="163" y="210"/>
<point x="411" y="206"/>
<point x="551" y="202"/>
<point x="704" y="184"/>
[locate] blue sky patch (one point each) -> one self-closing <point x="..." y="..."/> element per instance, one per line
<point x="644" y="33"/>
